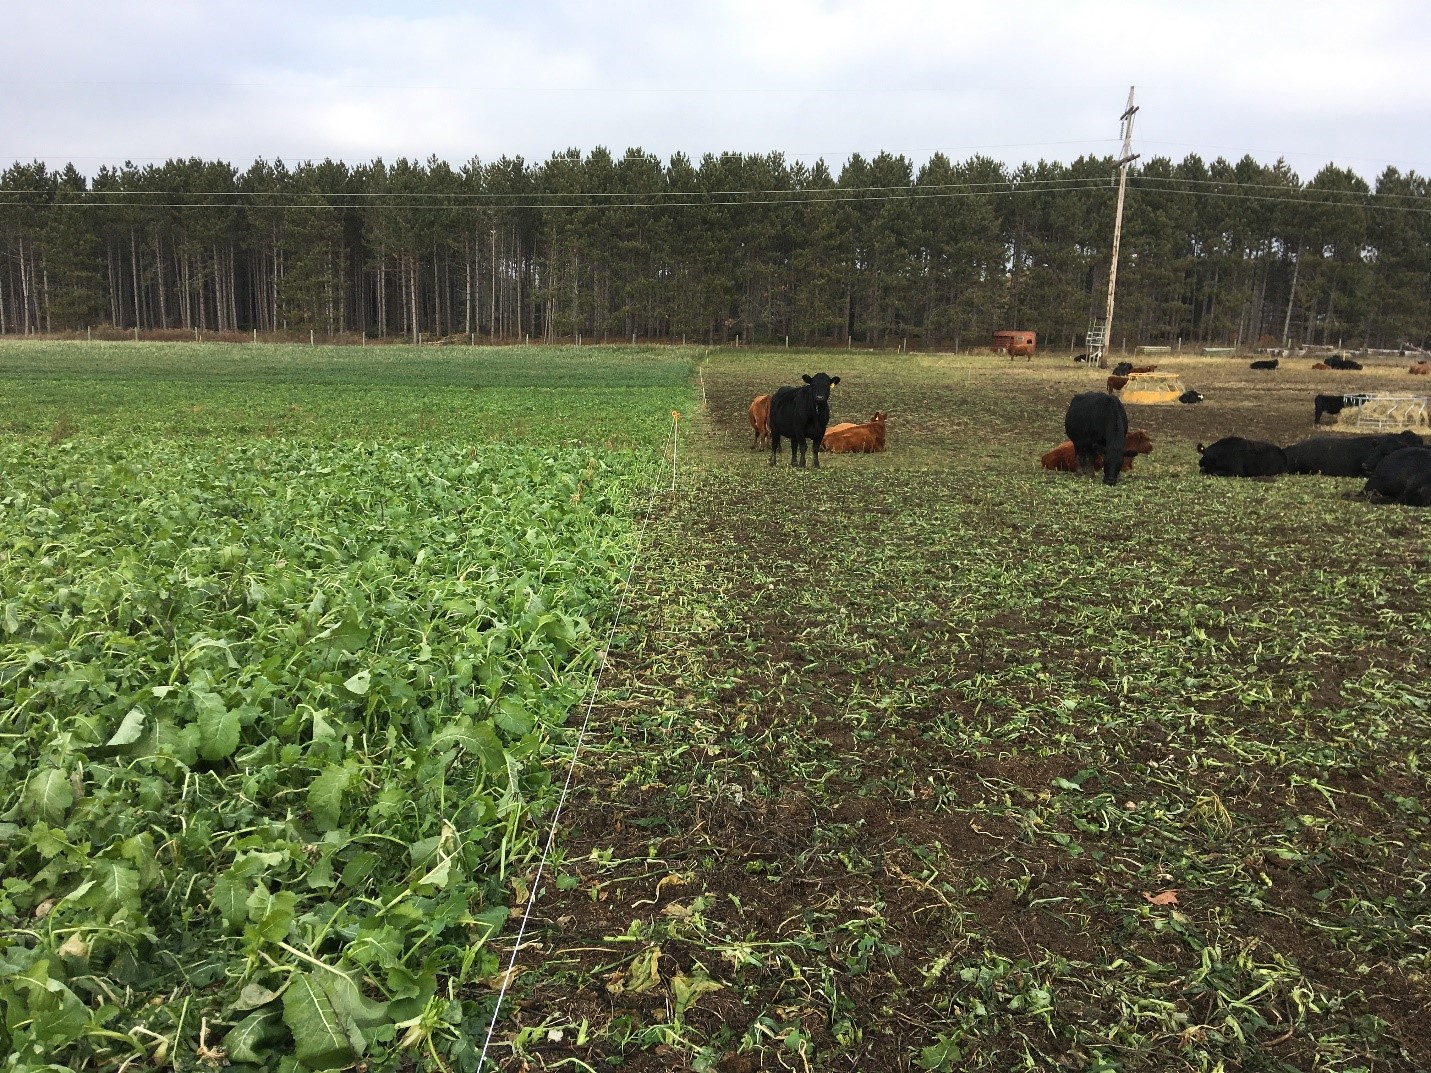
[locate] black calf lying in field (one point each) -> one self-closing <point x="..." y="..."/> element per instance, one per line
<point x="1190" y="396"/>
<point x="1269" y="363"/>
<point x="1337" y="361"/>
<point x="1232" y="456"/>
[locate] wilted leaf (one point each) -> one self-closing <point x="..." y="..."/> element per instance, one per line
<point x="686" y="989"/>
<point x="1167" y="897"/>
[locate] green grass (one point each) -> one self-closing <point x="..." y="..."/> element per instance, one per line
<point x="606" y="396"/>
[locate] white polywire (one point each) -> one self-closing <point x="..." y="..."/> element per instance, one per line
<point x="571" y="767"/>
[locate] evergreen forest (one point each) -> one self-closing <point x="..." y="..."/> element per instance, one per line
<point x="731" y="248"/>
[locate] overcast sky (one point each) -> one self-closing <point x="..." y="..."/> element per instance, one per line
<point x="100" y="82"/>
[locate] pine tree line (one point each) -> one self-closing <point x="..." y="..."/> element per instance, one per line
<point x="734" y="246"/>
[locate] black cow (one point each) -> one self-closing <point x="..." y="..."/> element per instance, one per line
<point x="1082" y="358"/>
<point x="1344" y="456"/>
<point x="1123" y="368"/>
<point x="800" y="414"/>
<point x="1334" y="404"/>
<point x="1269" y="363"/>
<point x="1098" y="425"/>
<point x="1190" y="396"/>
<point x="1337" y="361"/>
<point x="1402" y="477"/>
<point x="1232" y="456"/>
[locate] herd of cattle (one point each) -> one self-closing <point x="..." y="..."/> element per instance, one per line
<point x="1397" y="467"/>
<point x="802" y="416"/>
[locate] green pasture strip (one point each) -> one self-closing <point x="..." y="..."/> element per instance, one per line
<point x="607" y="397"/>
<point x="901" y="755"/>
<point x="280" y="723"/>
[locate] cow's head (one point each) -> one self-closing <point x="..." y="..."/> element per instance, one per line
<point x="820" y="385"/>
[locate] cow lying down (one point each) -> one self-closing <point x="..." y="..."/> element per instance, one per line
<point x="850" y="438"/>
<point x="1345" y="456"/>
<point x="1403" y="476"/>
<point x="1064" y="459"/>
<point x="1232" y="456"/>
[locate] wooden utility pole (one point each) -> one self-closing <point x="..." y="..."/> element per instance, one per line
<point x="1127" y="158"/>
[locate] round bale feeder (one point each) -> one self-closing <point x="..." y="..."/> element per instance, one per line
<point x="1152" y="389"/>
<point x="1386" y="413"/>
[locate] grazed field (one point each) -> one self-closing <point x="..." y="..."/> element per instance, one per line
<point x="932" y="760"/>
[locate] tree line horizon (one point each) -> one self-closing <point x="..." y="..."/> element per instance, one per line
<point x="747" y="247"/>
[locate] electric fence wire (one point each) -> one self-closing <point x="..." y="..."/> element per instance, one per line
<point x="510" y="972"/>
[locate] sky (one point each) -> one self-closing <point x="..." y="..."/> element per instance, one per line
<point x="95" y="82"/>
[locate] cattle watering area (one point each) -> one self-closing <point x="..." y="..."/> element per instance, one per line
<point x="503" y="709"/>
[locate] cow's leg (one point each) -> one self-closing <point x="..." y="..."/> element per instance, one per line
<point x="815" y="449"/>
<point x="1112" y="463"/>
<point x="797" y="447"/>
<point x="774" y="446"/>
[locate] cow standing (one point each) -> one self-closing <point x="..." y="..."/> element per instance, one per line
<point x="759" y="414"/>
<point x="799" y="414"/>
<point x="1097" y="424"/>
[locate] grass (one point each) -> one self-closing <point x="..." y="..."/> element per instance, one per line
<point x="605" y="396"/>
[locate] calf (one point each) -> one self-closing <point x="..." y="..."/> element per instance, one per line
<point x="1269" y="363"/>
<point x="1321" y="365"/>
<point x="1232" y="456"/>
<point x="800" y="414"/>
<point x="1421" y="368"/>
<point x="1143" y="369"/>
<point x="1097" y="424"/>
<point x="1190" y="396"/>
<point x="760" y="421"/>
<point x="1116" y="383"/>
<point x="1123" y="368"/>
<point x="1082" y="358"/>
<point x="1402" y="477"/>
<point x="857" y="439"/>
<point x="1064" y="459"/>
<point x="1344" y="456"/>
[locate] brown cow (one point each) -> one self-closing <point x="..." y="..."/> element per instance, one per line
<point x="851" y="424"/>
<point x="760" y="421"/>
<point x="1321" y="365"/>
<point x="1421" y="368"/>
<point x="1116" y="383"/>
<point x="1145" y="368"/>
<point x="857" y="439"/>
<point x="1061" y="459"/>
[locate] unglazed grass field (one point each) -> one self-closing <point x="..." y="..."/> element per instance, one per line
<point x="926" y="760"/>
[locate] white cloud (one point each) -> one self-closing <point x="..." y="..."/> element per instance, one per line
<point x="98" y="82"/>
